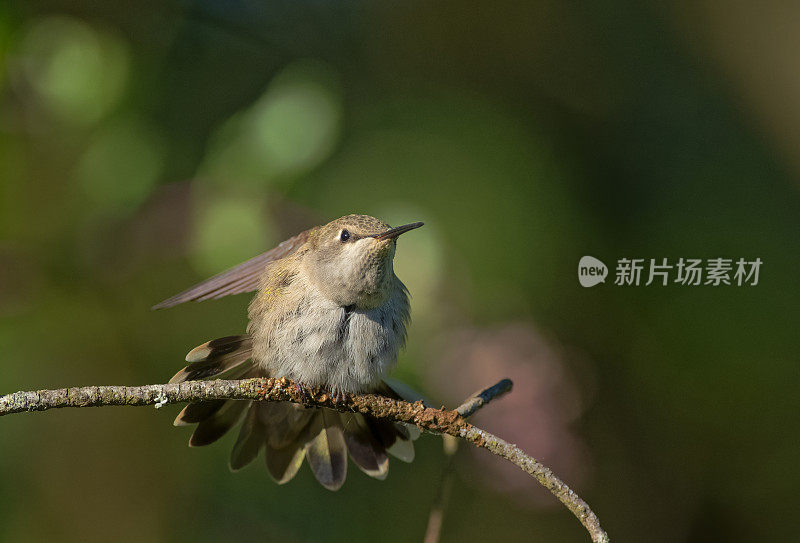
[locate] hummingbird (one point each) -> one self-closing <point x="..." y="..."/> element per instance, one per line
<point x="330" y="313"/>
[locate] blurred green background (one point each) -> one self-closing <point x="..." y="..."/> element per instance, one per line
<point x="145" y="146"/>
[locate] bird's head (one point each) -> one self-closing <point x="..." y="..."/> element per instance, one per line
<point x="350" y="260"/>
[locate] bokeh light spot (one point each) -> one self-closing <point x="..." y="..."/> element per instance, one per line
<point x="121" y="165"/>
<point x="78" y="72"/>
<point x="297" y="121"/>
<point x="228" y="230"/>
<point x="288" y="131"/>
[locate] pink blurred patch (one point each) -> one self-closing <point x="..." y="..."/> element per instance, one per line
<point x="537" y="415"/>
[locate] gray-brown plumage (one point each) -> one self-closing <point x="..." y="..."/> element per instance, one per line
<point x="329" y="312"/>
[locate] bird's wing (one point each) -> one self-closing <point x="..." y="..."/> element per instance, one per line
<point x="239" y="279"/>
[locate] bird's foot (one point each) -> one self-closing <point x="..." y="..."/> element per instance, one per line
<point x="305" y="393"/>
<point x="340" y="396"/>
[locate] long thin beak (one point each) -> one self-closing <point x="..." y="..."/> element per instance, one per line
<point x="394" y="232"/>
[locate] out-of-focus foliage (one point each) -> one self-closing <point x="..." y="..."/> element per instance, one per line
<point x="78" y="72"/>
<point x="144" y="147"/>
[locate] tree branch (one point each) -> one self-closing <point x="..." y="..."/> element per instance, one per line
<point x="450" y="444"/>
<point x="482" y="397"/>
<point x="441" y="421"/>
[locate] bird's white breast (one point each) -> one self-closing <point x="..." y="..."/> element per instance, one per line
<point x="319" y="343"/>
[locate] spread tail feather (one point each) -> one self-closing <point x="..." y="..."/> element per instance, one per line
<point x="283" y="464"/>
<point x="215" y="357"/>
<point x="365" y="450"/>
<point x="218" y="424"/>
<point x="286" y="431"/>
<point x="326" y="450"/>
<point x="250" y="441"/>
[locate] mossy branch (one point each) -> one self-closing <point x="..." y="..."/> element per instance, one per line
<point x="443" y="421"/>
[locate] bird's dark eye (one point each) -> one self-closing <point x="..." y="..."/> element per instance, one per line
<point x="344" y="235"/>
